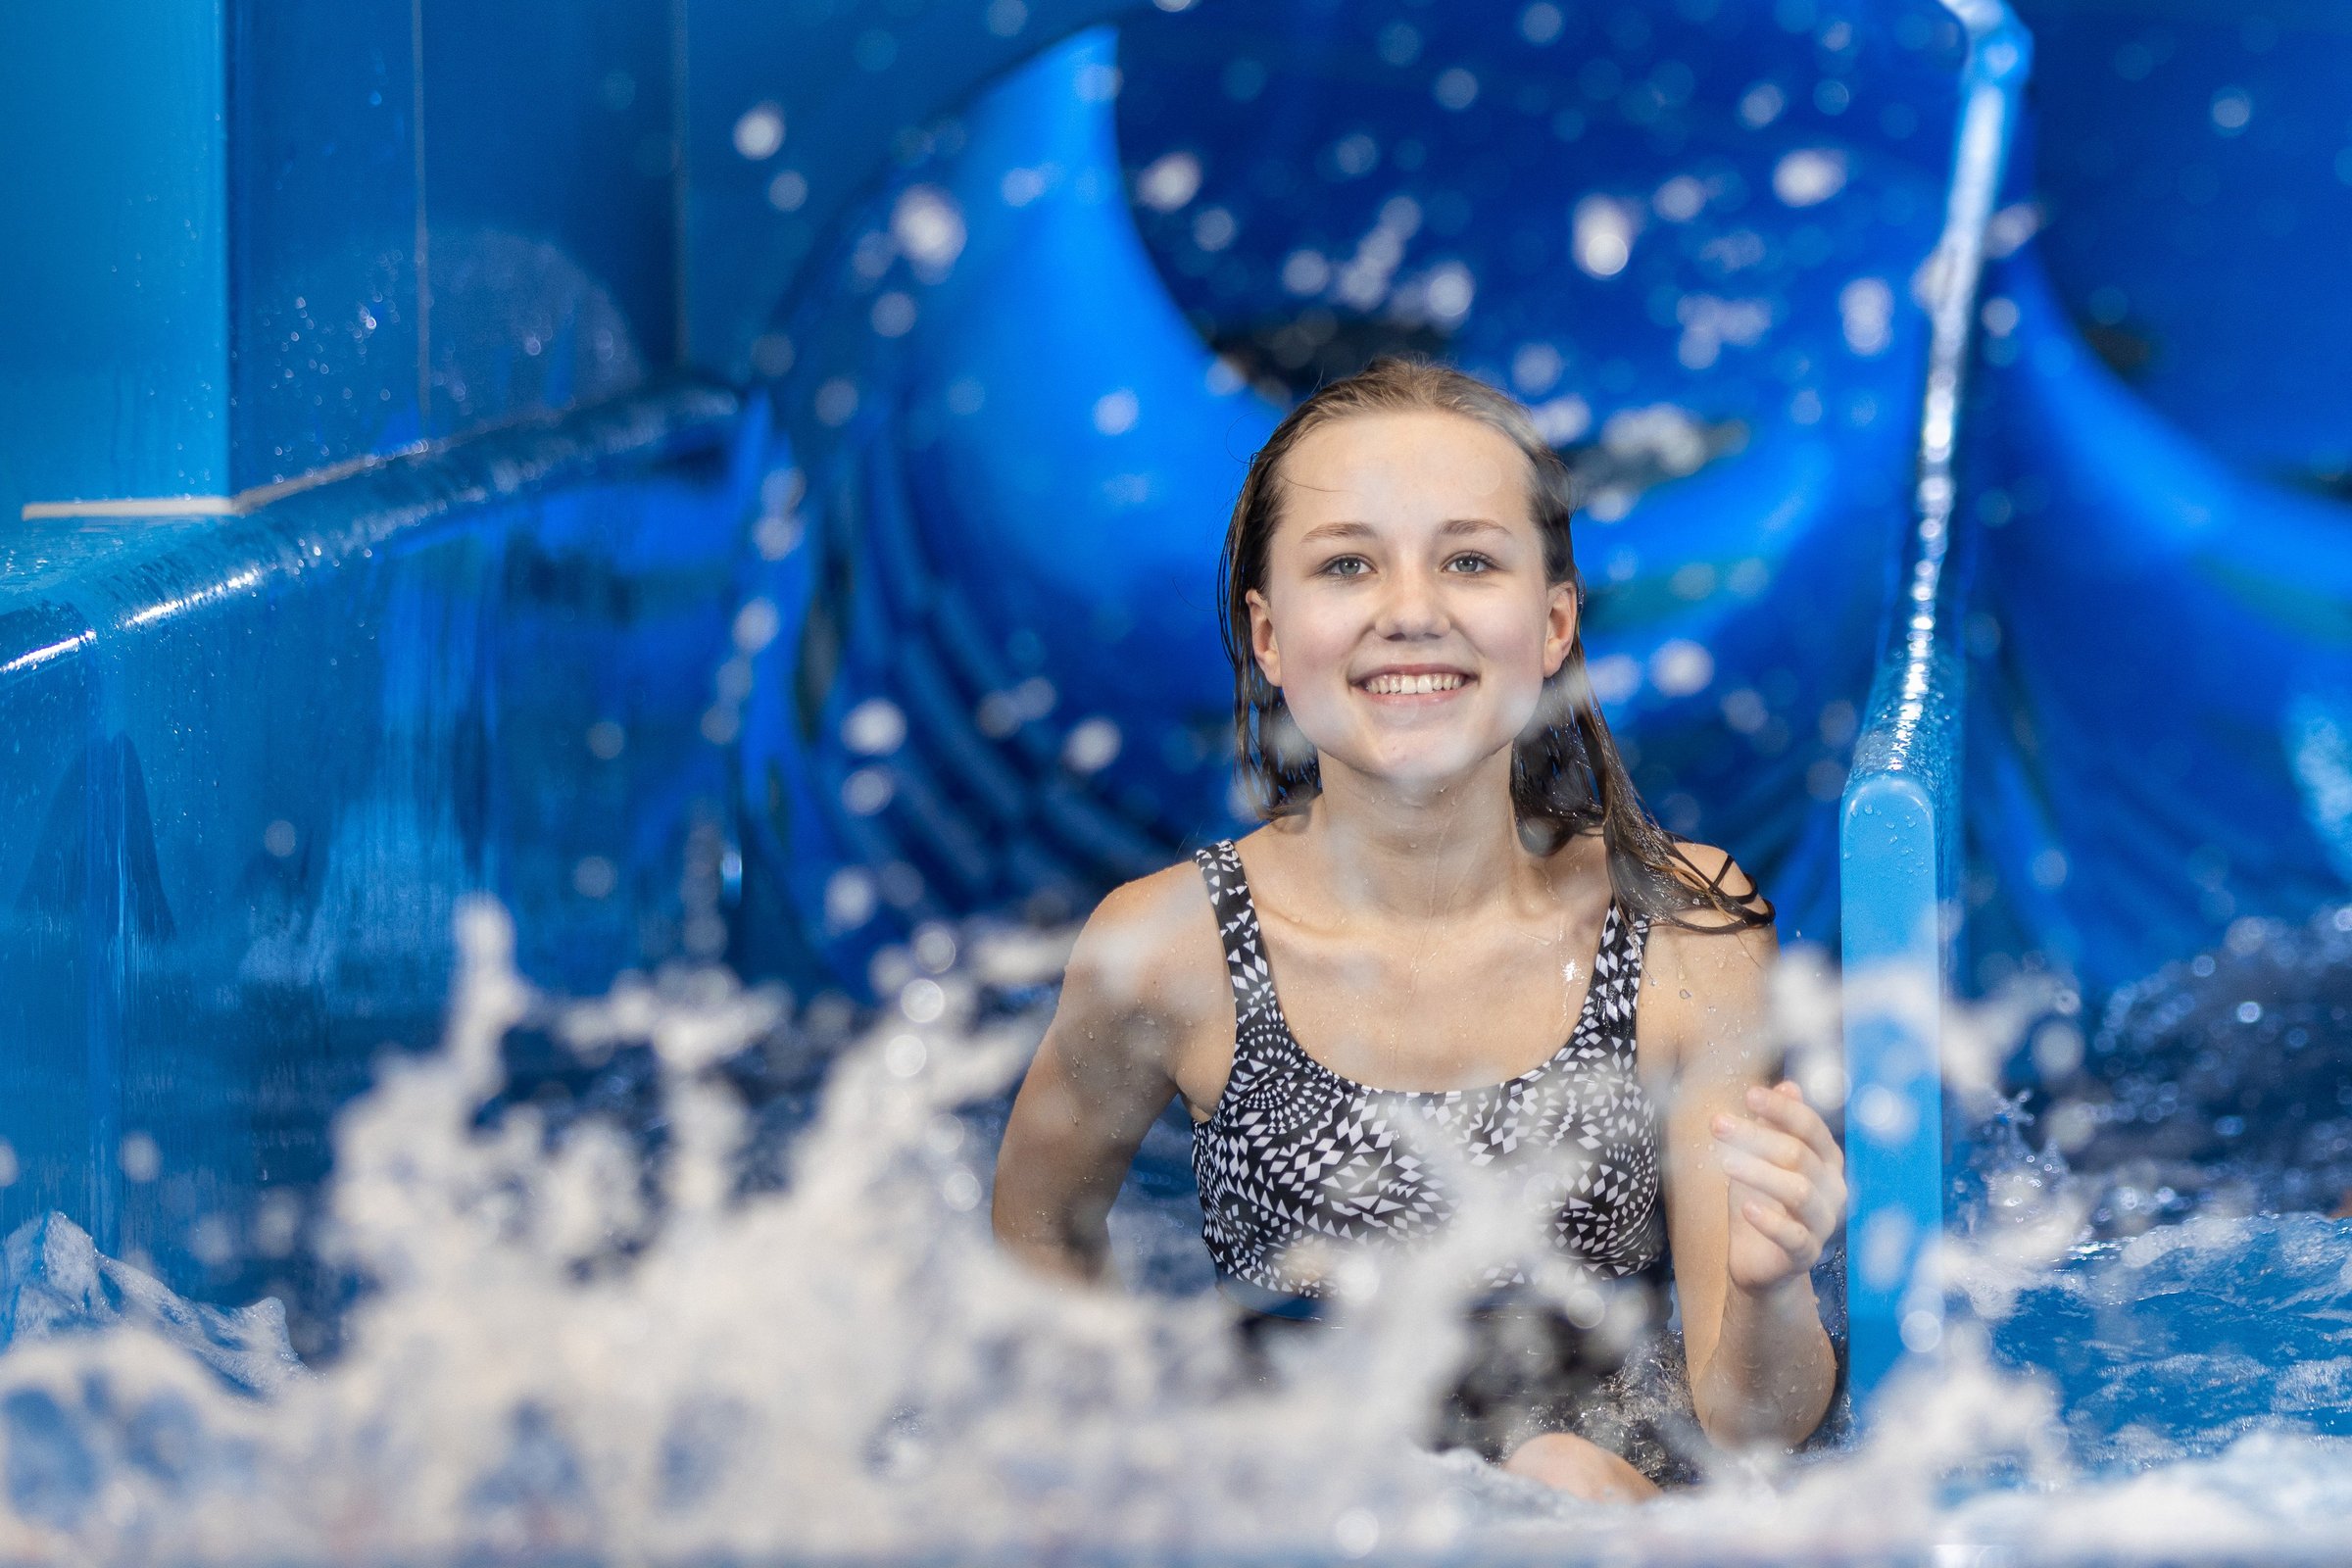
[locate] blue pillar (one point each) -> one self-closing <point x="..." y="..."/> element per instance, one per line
<point x="1899" y="830"/>
<point x="1892" y="837"/>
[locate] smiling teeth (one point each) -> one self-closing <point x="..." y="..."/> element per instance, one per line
<point x="1411" y="685"/>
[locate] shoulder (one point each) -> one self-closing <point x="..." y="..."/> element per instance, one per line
<point x="1704" y="868"/>
<point x="1151" y="948"/>
<point x="1710" y="930"/>
<point x="1706" y="968"/>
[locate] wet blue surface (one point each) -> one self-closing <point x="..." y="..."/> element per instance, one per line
<point x="327" y="320"/>
<point x="277" y="240"/>
<point x="255" y="763"/>
<point x="2141" y="780"/>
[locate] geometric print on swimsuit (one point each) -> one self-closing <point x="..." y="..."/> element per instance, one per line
<point x="1295" y="1161"/>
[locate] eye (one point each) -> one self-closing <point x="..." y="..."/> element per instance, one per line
<point x="1346" y="566"/>
<point x="1473" y="564"/>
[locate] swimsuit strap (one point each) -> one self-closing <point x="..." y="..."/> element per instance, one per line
<point x="1237" y="926"/>
<point x="1616" y="984"/>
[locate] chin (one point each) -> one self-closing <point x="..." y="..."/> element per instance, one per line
<point x="1426" y="769"/>
<point x="1432" y="753"/>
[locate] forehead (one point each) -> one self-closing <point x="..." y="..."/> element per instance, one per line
<point x="1419" y="464"/>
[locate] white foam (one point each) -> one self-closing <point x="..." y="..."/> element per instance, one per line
<point x="848" y="1368"/>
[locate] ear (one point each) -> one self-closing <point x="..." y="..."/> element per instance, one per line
<point x="1261" y="638"/>
<point x="1559" y="630"/>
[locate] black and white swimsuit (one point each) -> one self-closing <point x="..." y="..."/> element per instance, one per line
<point x="1296" y="1160"/>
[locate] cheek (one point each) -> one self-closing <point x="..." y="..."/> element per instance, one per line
<point x="1316" y="651"/>
<point x="1510" y="640"/>
<point x="1315" y="642"/>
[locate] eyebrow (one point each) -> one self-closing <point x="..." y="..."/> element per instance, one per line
<point x="1453" y="527"/>
<point x="1335" y="530"/>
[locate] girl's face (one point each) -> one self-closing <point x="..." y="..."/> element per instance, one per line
<point x="1404" y="611"/>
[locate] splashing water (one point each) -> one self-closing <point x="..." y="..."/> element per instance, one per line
<point x="562" y="1358"/>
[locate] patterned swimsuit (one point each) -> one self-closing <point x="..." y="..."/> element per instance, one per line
<point x="1297" y="1163"/>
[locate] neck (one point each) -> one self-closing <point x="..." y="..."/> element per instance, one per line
<point x="1432" y="851"/>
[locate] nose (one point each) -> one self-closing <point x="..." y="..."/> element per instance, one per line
<point x="1411" y="608"/>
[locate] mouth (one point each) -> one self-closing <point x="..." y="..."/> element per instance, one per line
<point x="1422" y="685"/>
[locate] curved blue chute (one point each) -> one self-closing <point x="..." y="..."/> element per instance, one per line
<point x="1674" y="251"/>
<point x="1071" y="452"/>
<point x="2164" y="741"/>
<point x="1021" y="513"/>
<point x="1288" y="171"/>
<point x="2195" y="170"/>
<point x="1016" y="512"/>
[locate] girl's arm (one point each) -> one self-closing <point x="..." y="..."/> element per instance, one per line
<point x="1131" y="998"/>
<point x="1754" y="1185"/>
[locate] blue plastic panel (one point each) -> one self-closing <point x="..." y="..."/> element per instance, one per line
<point x="256" y="762"/>
<point x="114" y="340"/>
<point x="1900" y="834"/>
<point x="2186" y="144"/>
<point x="327" y="309"/>
<point x="1894" y="975"/>
<point x="253" y="215"/>
<point x="549" y="167"/>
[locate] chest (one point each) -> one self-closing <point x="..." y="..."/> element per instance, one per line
<point x="1435" y="1012"/>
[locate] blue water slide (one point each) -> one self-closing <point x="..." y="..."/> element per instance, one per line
<point x="1008" y="497"/>
<point x="1020" y="513"/>
<point x="1043" y="498"/>
<point x="966" y="430"/>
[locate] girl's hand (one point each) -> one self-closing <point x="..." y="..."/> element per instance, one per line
<point x="1787" y="1186"/>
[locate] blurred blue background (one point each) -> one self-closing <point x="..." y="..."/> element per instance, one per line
<point x="744" y="481"/>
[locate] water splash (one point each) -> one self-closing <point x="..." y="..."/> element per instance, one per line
<point x="568" y="1353"/>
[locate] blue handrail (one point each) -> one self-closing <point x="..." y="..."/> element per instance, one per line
<point x="1900" y="824"/>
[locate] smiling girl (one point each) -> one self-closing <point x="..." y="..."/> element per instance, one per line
<point x="1493" y="962"/>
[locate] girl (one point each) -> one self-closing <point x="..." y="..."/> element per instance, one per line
<point x="1453" y="873"/>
